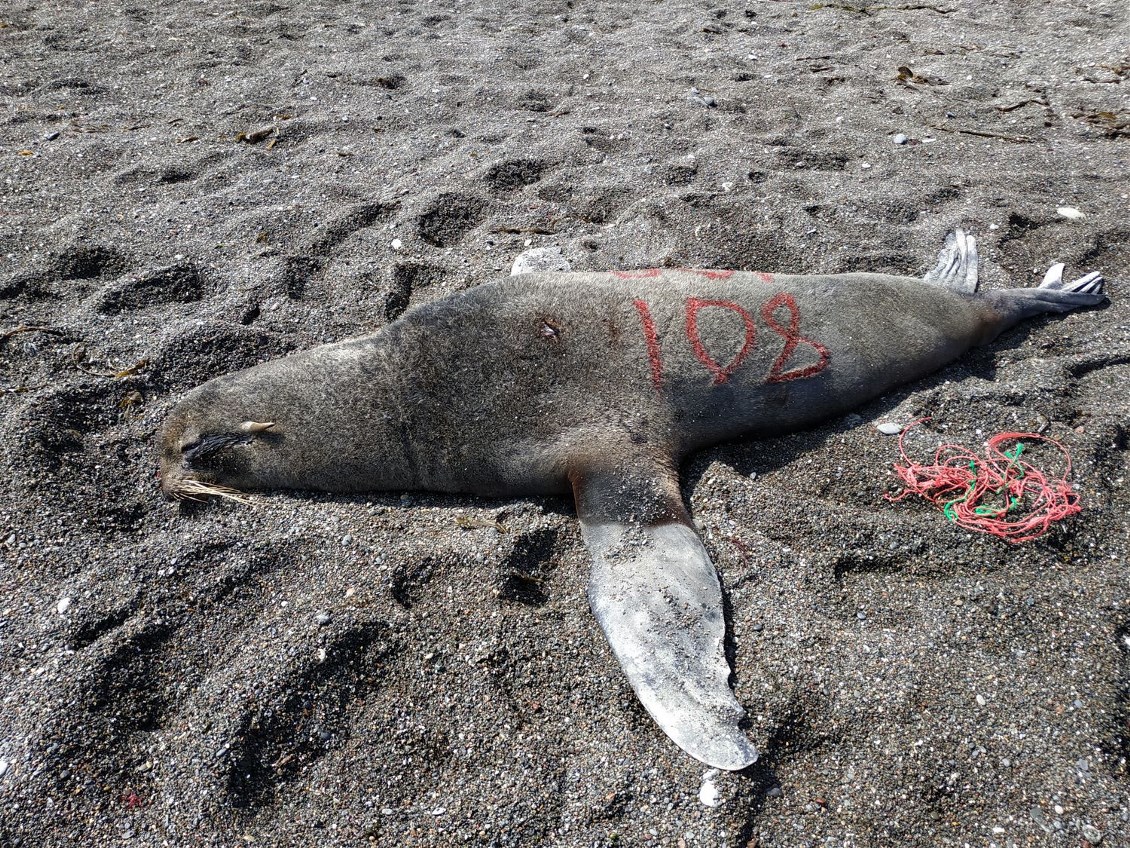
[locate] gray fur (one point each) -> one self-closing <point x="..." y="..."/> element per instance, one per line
<point x="547" y="383"/>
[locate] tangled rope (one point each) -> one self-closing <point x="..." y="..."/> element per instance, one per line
<point x="998" y="493"/>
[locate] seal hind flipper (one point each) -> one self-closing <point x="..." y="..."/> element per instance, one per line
<point x="1053" y="294"/>
<point x="657" y="597"/>
<point x="957" y="263"/>
<point x="1092" y="283"/>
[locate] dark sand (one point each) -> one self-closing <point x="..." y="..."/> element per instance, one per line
<point x="372" y="671"/>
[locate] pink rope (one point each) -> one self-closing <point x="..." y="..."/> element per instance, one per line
<point x="998" y="493"/>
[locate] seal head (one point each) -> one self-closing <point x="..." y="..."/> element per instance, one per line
<point x="192" y="463"/>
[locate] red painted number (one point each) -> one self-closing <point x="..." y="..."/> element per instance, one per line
<point x="721" y="374"/>
<point x="789" y="331"/>
<point x="652" y="339"/>
<point x="792" y="339"/>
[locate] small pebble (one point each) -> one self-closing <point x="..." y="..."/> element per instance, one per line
<point x="708" y="792"/>
<point x="704" y="99"/>
<point x="323" y="618"/>
<point x="397" y="244"/>
<point x="1069" y="212"/>
<point x="1092" y="834"/>
<point x="51" y="136"/>
<point x="900" y="138"/>
<point x="981" y="700"/>
<point x="889" y="428"/>
<point x="774" y="792"/>
<point x="3" y="767"/>
<point x="63" y="605"/>
<point x="346" y="540"/>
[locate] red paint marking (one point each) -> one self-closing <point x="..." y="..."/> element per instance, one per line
<point x="709" y="273"/>
<point x="652" y="273"/>
<point x="721" y="374"/>
<point x="764" y="277"/>
<point x="792" y="339"/>
<point x="652" y="338"/>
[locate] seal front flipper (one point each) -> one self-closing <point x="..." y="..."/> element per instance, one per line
<point x="657" y="597"/>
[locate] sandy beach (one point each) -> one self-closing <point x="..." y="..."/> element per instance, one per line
<point x="193" y="187"/>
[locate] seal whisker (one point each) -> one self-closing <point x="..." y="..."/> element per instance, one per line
<point x="195" y="490"/>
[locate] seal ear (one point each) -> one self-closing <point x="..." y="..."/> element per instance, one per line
<point x="658" y="600"/>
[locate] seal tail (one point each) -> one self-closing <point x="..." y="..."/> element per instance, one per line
<point x="957" y="264"/>
<point x="658" y="600"/>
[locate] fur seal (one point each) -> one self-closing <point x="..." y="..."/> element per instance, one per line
<point x="599" y="384"/>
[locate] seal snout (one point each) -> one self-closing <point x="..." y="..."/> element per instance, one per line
<point x="186" y="469"/>
<point x="179" y="484"/>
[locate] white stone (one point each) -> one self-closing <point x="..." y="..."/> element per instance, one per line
<point x="540" y="259"/>
<point x="708" y="792"/>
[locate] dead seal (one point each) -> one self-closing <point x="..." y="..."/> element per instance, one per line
<point x="599" y="384"/>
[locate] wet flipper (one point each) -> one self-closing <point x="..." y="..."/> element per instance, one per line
<point x="657" y="597"/>
<point x="957" y="263"/>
